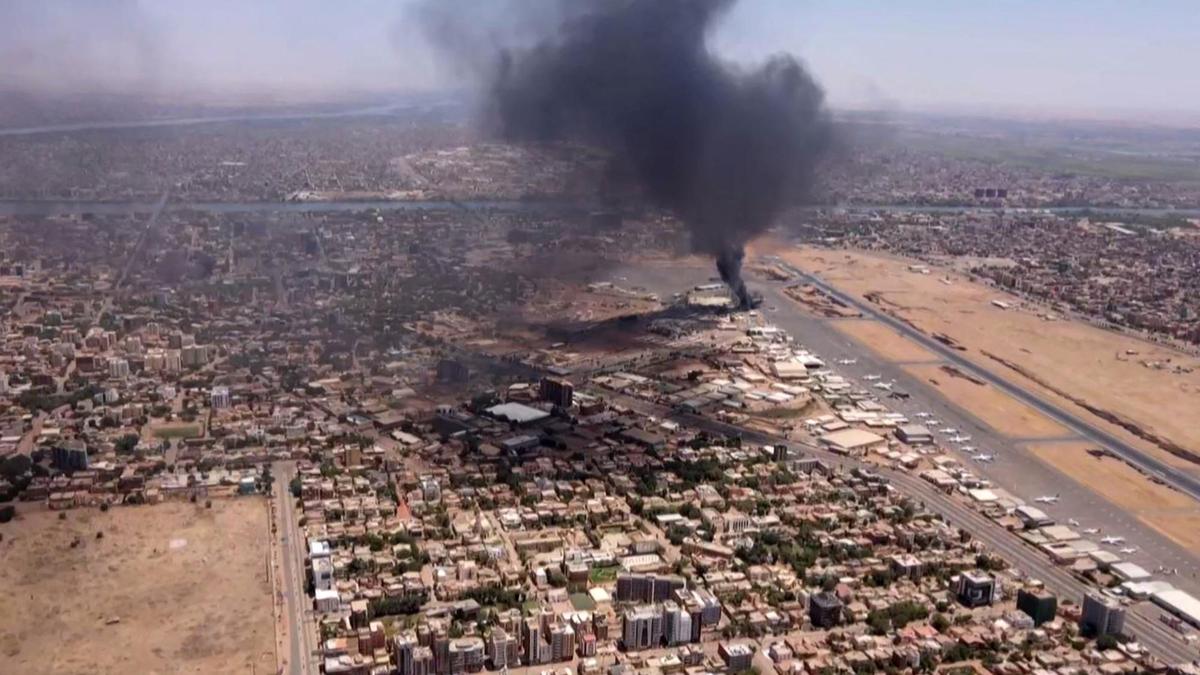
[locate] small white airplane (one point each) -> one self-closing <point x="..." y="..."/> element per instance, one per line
<point x="1131" y="549"/>
<point x="1113" y="540"/>
<point x="847" y="362"/>
<point x="883" y="385"/>
<point x="1092" y="530"/>
<point x="1072" y="522"/>
<point x="872" y="377"/>
<point x="949" y="430"/>
<point x="1047" y="499"/>
<point x="959" y="439"/>
<point x="922" y="415"/>
<point x="983" y="458"/>
<point x="968" y="448"/>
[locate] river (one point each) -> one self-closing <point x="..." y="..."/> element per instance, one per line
<point x="73" y="207"/>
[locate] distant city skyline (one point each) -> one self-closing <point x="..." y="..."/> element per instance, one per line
<point x="1069" y="56"/>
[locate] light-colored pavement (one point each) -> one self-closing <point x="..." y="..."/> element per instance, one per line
<point x="291" y="575"/>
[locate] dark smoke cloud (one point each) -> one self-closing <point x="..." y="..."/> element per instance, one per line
<point x="725" y="148"/>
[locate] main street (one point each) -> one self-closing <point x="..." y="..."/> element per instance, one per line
<point x="290" y="582"/>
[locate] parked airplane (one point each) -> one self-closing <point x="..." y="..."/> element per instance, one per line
<point x="1131" y="549"/>
<point x="922" y="415"/>
<point x="983" y="458"/>
<point x="1047" y="499"/>
<point x="968" y="448"/>
<point x="1113" y="540"/>
<point x="949" y="430"/>
<point x="1092" y="530"/>
<point x="959" y="439"/>
<point x="872" y="377"/>
<point x="883" y="385"/>
<point x="847" y="362"/>
<point x="1072" y="522"/>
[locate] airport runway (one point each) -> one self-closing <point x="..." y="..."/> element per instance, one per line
<point x="1015" y="469"/>
<point x="1179" y="479"/>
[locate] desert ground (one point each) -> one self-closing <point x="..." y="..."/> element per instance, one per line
<point x="1055" y="359"/>
<point x="1003" y="413"/>
<point x="1172" y="513"/>
<point x="884" y="341"/>
<point x="169" y="588"/>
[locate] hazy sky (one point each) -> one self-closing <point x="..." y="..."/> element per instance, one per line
<point x="1062" y="55"/>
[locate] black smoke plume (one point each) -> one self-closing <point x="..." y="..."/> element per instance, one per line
<point x="724" y="148"/>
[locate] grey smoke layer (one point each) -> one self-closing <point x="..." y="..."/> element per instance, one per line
<point x="722" y="147"/>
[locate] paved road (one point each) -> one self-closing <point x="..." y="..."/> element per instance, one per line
<point x="1181" y="480"/>
<point x="292" y="575"/>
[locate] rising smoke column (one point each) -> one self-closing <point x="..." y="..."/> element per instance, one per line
<point x="722" y="147"/>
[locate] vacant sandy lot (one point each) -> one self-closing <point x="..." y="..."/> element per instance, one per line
<point x="1076" y="359"/>
<point x="883" y="340"/>
<point x="1172" y="513"/>
<point x="994" y="408"/>
<point x="189" y="585"/>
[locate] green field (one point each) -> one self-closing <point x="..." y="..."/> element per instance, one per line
<point x="176" y="431"/>
<point x="582" y="602"/>
<point x="603" y="575"/>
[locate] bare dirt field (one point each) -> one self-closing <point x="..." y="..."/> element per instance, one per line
<point x="189" y="586"/>
<point x="1172" y="513"/>
<point x="998" y="410"/>
<point x="884" y="341"/>
<point x="1067" y="357"/>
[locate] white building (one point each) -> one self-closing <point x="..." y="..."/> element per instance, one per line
<point x="219" y="398"/>
<point x="118" y="369"/>
<point x="327" y="601"/>
<point x="322" y="573"/>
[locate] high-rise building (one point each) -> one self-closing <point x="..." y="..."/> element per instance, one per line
<point x="531" y="641"/>
<point x="557" y="391"/>
<point x="503" y="649"/>
<point x="403" y="647"/>
<point x="69" y="455"/>
<point x="642" y="627"/>
<point x="452" y="371"/>
<point x="975" y="589"/>
<point x="1101" y="616"/>
<point x="825" y="610"/>
<point x="220" y="398"/>
<point x="562" y="642"/>
<point x="647" y="588"/>
<point x="439" y="643"/>
<point x="465" y="655"/>
<point x="118" y="369"/>
<point x="193" y="356"/>
<point x="1040" y="605"/>
<point x="738" y="657"/>
<point x="422" y="661"/>
<point x="677" y="623"/>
